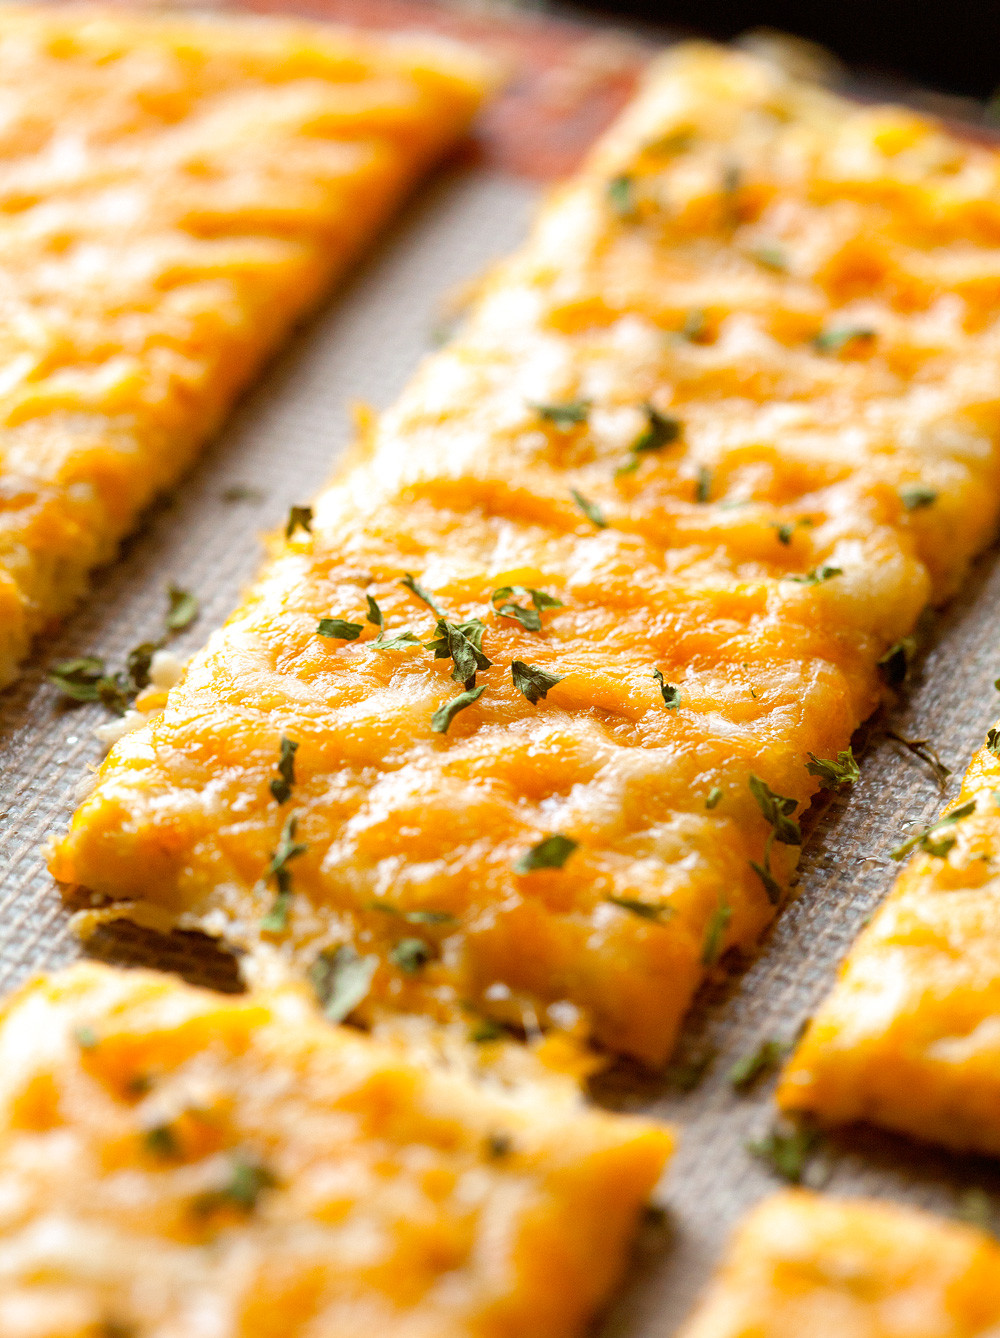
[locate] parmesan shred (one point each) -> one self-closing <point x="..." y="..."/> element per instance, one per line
<point x="699" y="456"/>
<point x="174" y="193"/>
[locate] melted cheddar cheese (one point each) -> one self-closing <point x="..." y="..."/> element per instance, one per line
<point x="910" y="1036"/>
<point x="174" y="193"/>
<point x="700" y="454"/>
<point x="802" y="1266"/>
<point x="176" y="1162"/>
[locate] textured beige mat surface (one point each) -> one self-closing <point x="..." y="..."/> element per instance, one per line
<point x="282" y="442"/>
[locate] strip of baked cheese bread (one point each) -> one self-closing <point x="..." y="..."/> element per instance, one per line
<point x="910" y="1036"/>
<point x="805" y="1266"/>
<point x="174" y="193"/>
<point x="526" y="714"/>
<point x="176" y="1161"/>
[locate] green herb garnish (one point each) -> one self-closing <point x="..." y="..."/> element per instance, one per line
<point x="777" y="810"/>
<point x="161" y="1141"/>
<point x="339" y="628"/>
<point x="533" y="682"/>
<point x="715" y="932"/>
<point x="589" y="509"/>
<point x="299" y="518"/>
<point x="85" y="1037"/>
<point x="660" y="430"/>
<point x="787" y="1154"/>
<point x="713" y="797"/>
<point x="771" y="257"/>
<point x="182" y="608"/>
<point x="768" y="1055"/>
<point x="833" y="774"/>
<point x="410" y="955"/>
<point x="550" y="853"/>
<point x="420" y="593"/>
<point x="463" y="644"/>
<point x="703" y="485"/>
<point x="935" y="838"/>
<point x="621" y="197"/>
<point x="530" y="619"/>
<point x="445" y="714"/>
<point x="686" y="1074"/>
<point x="281" y="786"/>
<point x="993" y="742"/>
<point x="644" y="909"/>
<point x="248" y="1179"/>
<point x="138" y="663"/>
<point x="395" y="642"/>
<point x="670" y="694"/>
<point x="917" y="496"/>
<point x="837" y="337"/>
<point x="276" y="920"/>
<point x="818" y="575"/>
<point x="341" y="980"/>
<point x="922" y="750"/>
<point x="695" y="327"/>
<point x="895" y="663"/>
<point x="85" y="679"/>
<point x="569" y="414"/>
<point x="374" y="614"/>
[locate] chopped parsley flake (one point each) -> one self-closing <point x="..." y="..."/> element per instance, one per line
<point x="895" y="663"/>
<point x="421" y="594"/>
<point x="397" y="641"/>
<point x="410" y="955"/>
<point x="499" y="1146"/>
<point x="921" y="749"/>
<point x="644" y="909"/>
<point x="785" y="529"/>
<point x="713" y="797"/>
<point x="589" y="509"/>
<point x="550" y="853"/>
<point x="182" y="608"/>
<point x="445" y="714"/>
<point x="341" y="980"/>
<point x="529" y="618"/>
<point x="777" y="810"/>
<point x="281" y="786"/>
<point x="660" y="430"/>
<point x="621" y="197"/>
<point x="917" y="496"/>
<point x="161" y="1141"/>
<point x="935" y="838"/>
<point x="695" y="327"/>
<point x="339" y="628"/>
<point x="374" y="614"/>
<point x="533" y="682"/>
<point x="485" y="1030"/>
<point x="787" y="1153"/>
<point x="299" y="518"/>
<point x="771" y="257"/>
<point x="833" y="774"/>
<point x="818" y="575"/>
<point x="993" y="742"/>
<point x="248" y="1179"/>
<point x="276" y="920"/>
<point x="463" y="644"/>
<point x="85" y="679"/>
<point x="768" y="1055"/>
<point x="670" y="694"/>
<point x="835" y="338"/>
<point x="569" y="414"/>
<point x="703" y="485"/>
<point x="715" y="933"/>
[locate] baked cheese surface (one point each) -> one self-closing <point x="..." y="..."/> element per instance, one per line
<point x="182" y="1164"/>
<point x="804" y="1266"/>
<point x="910" y="1037"/>
<point x="698" y="458"/>
<point x="174" y="193"/>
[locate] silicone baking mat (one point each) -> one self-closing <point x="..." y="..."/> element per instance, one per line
<point x="568" y="80"/>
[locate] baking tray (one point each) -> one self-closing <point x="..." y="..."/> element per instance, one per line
<point x="282" y="440"/>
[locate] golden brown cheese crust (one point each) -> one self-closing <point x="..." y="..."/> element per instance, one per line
<point x="832" y="267"/>
<point x="182" y="1164"/>
<point x="910" y="1037"/>
<point x="174" y="193"/>
<point x="802" y="1266"/>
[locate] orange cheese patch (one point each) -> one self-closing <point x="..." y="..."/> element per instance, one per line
<point x="564" y="639"/>
<point x="174" y="193"/>
<point x="180" y="1162"/>
<point x="910" y="1036"/>
<point x="803" y="1266"/>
